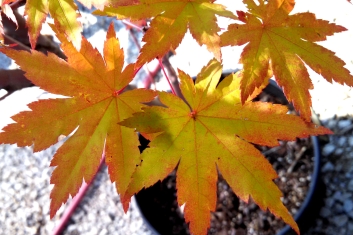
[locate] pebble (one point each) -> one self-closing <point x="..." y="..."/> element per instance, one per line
<point x="350" y="228"/>
<point x="342" y="141"/>
<point x="350" y="141"/>
<point x="340" y="220"/>
<point x="328" y="167"/>
<point x="350" y="214"/>
<point x="350" y="185"/>
<point x="338" y="168"/>
<point x="328" y="149"/>
<point x="344" y="123"/>
<point x="329" y="202"/>
<point x="325" y="212"/>
<point x="331" y="124"/>
<point x="348" y="206"/>
<point x="337" y="208"/>
<point x="339" y="151"/>
<point x="338" y="196"/>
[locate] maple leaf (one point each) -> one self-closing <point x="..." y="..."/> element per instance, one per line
<point x="64" y="14"/>
<point x="170" y="23"/>
<point x="6" y="9"/>
<point x="62" y="11"/>
<point x="283" y="42"/>
<point x="213" y="130"/>
<point x="95" y="106"/>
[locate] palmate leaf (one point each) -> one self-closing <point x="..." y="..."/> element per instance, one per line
<point x="214" y="130"/>
<point x="95" y="106"/>
<point x="6" y="9"/>
<point x="282" y="42"/>
<point x="64" y="13"/>
<point x="170" y="23"/>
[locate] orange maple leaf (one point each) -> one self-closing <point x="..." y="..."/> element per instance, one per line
<point x="95" y="106"/>
<point x="170" y="23"/>
<point x="213" y="130"/>
<point x="283" y="42"/>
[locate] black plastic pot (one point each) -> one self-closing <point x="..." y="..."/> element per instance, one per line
<point x="154" y="202"/>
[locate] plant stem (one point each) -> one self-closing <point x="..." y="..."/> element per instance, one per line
<point x="17" y="4"/>
<point x="19" y="45"/>
<point x="126" y="22"/>
<point x="75" y="201"/>
<point x="166" y="76"/>
<point x="149" y="79"/>
<point x="172" y="75"/>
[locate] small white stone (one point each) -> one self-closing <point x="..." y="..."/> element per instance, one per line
<point x="328" y="149"/>
<point x="344" y="123"/>
<point x="350" y="141"/>
<point x="339" y="151"/>
<point x="325" y="212"/>
<point x="104" y="231"/>
<point x="342" y="141"/>
<point x="340" y="220"/>
<point x="338" y="167"/>
<point x="338" y="196"/>
<point x="329" y="202"/>
<point x="350" y="185"/>
<point x="350" y="214"/>
<point x="348" y="206"/>
<point x="331" y="124"/>
<point x="350" y="228"/>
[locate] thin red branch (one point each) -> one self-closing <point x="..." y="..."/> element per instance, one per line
<point x="19" y="45"/>
<point x="150" y="77"/>
<point x="135" y="39"/>
<point x="137" y="70"/>
<point x="16" y="4"/>
<point x="166" y="76"/>
<point x="74" y="203"/>
<point x="132" y="25"/>
<point x="172" y="74"/>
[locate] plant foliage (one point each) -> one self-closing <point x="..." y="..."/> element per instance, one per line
<point x="170" y="23"/>
<point x="96" y="104"/>
<point x="209" y="130"/>
<point x="213" y="130"/>
<point x="282" y="43"/>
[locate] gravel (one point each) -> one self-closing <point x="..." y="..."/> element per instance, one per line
<point x="24" y="176"/>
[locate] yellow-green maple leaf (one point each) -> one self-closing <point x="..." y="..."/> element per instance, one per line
<point x="282" y="42"/>
<point x="64" y="13"/>
<point x="170" y="23"/>
<point x="7" y="11"/>
<point x="95" y="106"/>
<point x="214" y="130"/>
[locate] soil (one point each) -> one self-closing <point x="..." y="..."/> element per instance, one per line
<point x="293" y="162"/>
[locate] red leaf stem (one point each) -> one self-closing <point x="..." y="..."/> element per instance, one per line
<point x="75" y="201"/>
<point x="126" y="22"/>
<point x="166" y="76"/>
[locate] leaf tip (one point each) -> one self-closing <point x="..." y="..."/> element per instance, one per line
<point x="125" y="201"/>
<point x="54" y="207"/>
